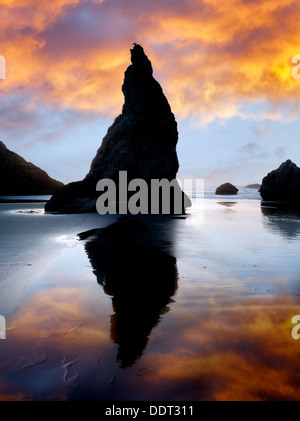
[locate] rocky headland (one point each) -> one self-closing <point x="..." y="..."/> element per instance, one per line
<point x="19" y="177"/>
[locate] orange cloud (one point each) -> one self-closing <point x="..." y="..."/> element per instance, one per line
<point x="230" y="53"/>
<point x="213" y="59"/>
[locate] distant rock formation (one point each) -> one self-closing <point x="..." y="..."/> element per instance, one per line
<point x="253" y="186"/>
<point x="142" y="141"/>
<point x="19" y="177"/>
<point x="282" y="185"/>
<point x="226" y="189"/>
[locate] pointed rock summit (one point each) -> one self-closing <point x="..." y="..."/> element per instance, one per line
<point x="142" y="141"/>
<point x="19" y="177"/>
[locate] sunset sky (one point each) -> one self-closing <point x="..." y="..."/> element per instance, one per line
<point x="225" y="67"/>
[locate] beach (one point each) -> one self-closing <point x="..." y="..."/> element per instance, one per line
<point x="155" y="308"/>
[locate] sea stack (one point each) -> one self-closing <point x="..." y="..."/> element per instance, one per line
<point x="282" y="185"/>
<point x="226" y="189"/>
<point x="141" y="141"/>
<point x="21" y="178"/>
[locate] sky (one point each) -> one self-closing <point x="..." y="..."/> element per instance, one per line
<point x="227" y="68"/>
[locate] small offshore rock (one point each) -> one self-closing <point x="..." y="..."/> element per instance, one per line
<point x="226" y="189"/>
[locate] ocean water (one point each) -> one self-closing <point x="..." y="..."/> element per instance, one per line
<point x="151" y="308"/>
<point x="25" y="199"/>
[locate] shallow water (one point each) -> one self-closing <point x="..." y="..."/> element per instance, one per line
<point x="152" y="308"/>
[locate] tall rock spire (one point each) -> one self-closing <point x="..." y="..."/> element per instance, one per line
<point x="142" y="140"/>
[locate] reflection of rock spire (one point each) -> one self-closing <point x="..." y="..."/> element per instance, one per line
<point x="133" y="261"/>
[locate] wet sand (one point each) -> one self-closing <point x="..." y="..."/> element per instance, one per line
<point x="150" y="308"/>
<point x="29" y="240"/>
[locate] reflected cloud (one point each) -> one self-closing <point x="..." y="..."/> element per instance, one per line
<point x="52" y="343"/>
<point x="134" y="262"/>
<point x="283" y="222"/>
<point x="241" y="351"/>
<point x="57" y="314"/>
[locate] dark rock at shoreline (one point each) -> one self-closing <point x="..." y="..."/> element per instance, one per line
<point x="282" y="185"/>
<point x="142" y="141"/>
<point x="19" y="177"/>
<point x="226" y="189"/>
<point x="253" y="186"/>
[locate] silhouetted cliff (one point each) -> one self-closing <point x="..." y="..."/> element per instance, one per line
<point x="19" y="177"/>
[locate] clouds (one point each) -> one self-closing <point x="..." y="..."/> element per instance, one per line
<point x="217" y="63"/>
<point x="211" y="58"/>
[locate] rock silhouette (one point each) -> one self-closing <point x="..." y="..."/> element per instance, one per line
<point x="133" y="261"/>
<point x="226" y="189"/>
<point x="282" y="185"/>
<point x="253" y="186"/>
<point x="142" y="141"/>
<point x="19" y="177"/>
